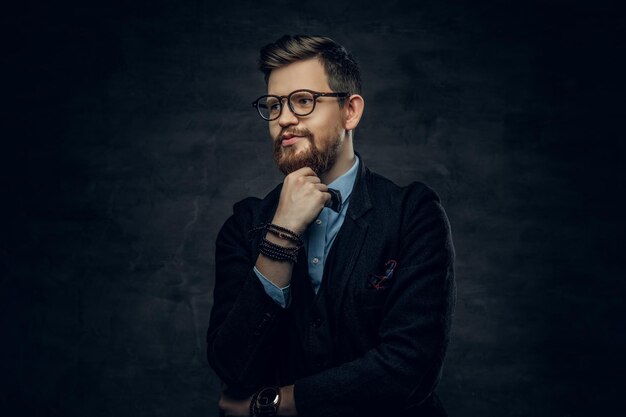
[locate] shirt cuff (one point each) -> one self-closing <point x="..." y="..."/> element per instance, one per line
<point x="282" y="296"/>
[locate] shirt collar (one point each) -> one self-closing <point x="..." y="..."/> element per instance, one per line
<point x="345" y="183"/>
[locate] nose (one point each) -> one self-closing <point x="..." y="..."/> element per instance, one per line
<point x="287" y="117"/>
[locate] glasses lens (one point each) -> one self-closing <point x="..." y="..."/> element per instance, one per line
<point x="302" y="102"/>
<point x="269" y="107"/>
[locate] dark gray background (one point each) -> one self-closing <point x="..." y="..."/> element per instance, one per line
<point x="130" y="134"/>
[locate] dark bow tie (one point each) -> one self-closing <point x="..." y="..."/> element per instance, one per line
<point x="335" y="200"/>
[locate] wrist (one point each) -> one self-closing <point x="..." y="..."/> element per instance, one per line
<point x="280" y="240"/>
<point x="293" y="226"/>
<point x="287" y="406"/>
<point x="265" y="402"/>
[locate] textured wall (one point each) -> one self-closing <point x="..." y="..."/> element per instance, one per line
<point x="130" y="135"/>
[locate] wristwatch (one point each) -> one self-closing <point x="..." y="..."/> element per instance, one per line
<point x="265" y="402"/>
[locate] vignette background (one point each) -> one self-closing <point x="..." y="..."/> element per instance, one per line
<point x="130" y="136"/>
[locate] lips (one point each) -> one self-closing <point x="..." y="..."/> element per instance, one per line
<point x="289" y="140"/>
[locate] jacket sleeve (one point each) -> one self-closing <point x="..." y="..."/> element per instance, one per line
<point x="244" y="318"/>
<point x="405" y="366"/>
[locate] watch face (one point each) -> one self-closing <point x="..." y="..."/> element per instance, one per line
<point x="268" y="397"/>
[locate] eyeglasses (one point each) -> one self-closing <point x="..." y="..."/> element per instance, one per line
<point x="300" y="102"/>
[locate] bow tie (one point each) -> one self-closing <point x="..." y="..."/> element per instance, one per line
<point x="335" y="200"/>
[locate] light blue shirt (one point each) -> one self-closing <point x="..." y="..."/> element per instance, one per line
<point x="318" y="239"/>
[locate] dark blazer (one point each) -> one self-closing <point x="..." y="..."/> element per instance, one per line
<point x="355" y="348"/>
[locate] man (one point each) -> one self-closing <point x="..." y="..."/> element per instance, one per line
<point x="334" y="293"/>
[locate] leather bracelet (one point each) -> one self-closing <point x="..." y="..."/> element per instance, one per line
<point x="294" y="238"/>
<point x="279" y="231"/>
<point x="290" y="233"/>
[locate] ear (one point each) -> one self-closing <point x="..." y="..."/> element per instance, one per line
<point x="352" y="111"/>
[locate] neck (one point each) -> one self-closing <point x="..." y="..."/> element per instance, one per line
<point x="344" y="162"/>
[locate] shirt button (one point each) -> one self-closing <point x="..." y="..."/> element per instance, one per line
<point x="317" y="322"/>
<point x="315" y="260"/>
<point x="318" y="221"/>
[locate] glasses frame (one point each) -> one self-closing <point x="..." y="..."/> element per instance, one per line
<point x="316" y="95"/>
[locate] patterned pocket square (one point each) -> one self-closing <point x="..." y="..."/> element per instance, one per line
<point x="379" y="282"/>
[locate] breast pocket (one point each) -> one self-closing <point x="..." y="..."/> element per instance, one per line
<point x="372" y="299"/>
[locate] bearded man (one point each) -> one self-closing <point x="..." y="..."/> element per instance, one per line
<point x="334" y="293"/>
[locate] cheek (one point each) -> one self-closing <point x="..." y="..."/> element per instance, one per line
<point x="326" y="124"/>
<point x="324" y="131"/>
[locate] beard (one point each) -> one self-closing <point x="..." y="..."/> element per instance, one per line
<point x="289" y="159"/>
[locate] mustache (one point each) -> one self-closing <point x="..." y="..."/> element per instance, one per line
<point x="295" y="132"/>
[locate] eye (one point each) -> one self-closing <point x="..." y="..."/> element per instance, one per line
<point x="273" y="105"/>
<point x="302" y="99"/>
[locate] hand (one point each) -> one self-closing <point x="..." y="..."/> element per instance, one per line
<point x="234" y="407"/>
<point x="302" y="198"/>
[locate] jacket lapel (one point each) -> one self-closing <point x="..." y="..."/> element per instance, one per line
<point x="347" y="246"/>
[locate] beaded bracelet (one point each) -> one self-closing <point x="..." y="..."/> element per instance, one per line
<point x="278" y="256"/>
<point x="277" y="252"/>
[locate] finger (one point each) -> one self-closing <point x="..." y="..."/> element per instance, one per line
<point x="321" y="187"/>
<point x="310" y="178"/>
<point x="304" y="171"/>
<point x="327" y="197"/>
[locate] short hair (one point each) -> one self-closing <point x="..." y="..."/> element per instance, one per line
<point x="341" y="68"/>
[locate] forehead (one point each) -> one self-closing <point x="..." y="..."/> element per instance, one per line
<point x="307" y="74"/>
